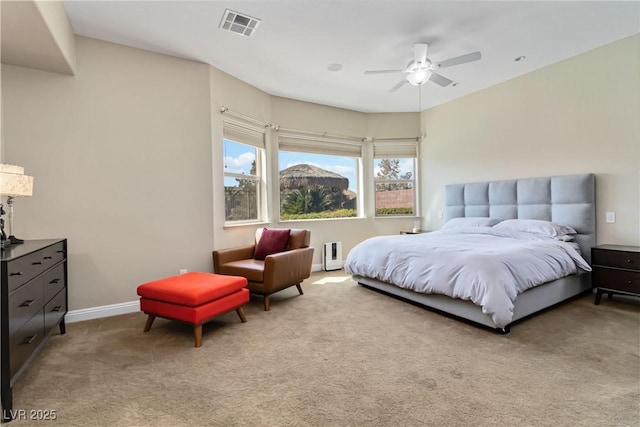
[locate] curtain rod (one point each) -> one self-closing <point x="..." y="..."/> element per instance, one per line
<point x="347" y="137"/>
<point x="225" y="110"/>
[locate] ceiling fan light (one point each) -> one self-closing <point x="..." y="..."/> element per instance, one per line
<point x="418" y="77"/>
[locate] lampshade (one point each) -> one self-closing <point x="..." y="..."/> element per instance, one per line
<point x="13" y="181"/>
<point x="418" y="77"/>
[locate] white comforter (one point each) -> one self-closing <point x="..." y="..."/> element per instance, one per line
<point x="487" y="266"/>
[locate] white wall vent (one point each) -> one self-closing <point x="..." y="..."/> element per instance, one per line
<point x="239" y="23"/>
<point x="332" y="256"/>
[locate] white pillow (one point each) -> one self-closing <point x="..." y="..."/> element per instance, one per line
<point x="537" y="226"/>
<point x="470" y="222"/>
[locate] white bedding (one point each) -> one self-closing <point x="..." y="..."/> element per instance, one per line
<point x="487" y="266"/>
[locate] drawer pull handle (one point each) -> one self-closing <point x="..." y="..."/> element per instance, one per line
<point x="36" y="263"/>
<point x="27" y="303"/>
<point x="19" y="273"/>
<point x="628" y="282"/>
<point x="29" y="340"/>
<point x="56" y="308"/>
<point x="48" y="257"/>
<point x="54" y="281"/>
<point x="60" y="252"/>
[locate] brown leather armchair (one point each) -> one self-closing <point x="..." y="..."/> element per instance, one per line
<point x="277" y="271"/>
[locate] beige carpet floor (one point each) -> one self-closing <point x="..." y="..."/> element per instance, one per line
<point x="344" y="355"/>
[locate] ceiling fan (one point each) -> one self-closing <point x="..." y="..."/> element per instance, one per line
<point x="421" y="69"/>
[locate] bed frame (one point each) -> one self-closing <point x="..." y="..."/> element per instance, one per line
<point x="567" y="199"/>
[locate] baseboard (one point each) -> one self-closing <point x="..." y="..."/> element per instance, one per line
<point x="102" y="311"/>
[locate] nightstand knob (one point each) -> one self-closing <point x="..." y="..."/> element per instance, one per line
<point x="628" y="261"/>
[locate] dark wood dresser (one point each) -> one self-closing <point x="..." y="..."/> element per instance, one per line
<point x="34" y="302"/>
<point x="616" y="270"/>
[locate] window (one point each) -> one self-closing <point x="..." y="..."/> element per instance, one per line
<point x="243" y="173"/>
<point x="394" y="169"/>
<point x="318" y="177"/>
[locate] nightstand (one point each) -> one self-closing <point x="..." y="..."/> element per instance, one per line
<point x="616" y="270"/>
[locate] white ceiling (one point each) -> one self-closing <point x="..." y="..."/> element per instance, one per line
<point x="296" y="40"/>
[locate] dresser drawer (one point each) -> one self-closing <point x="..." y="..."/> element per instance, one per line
<point x="53" y="254"/>
<point x="53" y="282"/>
<point x="23" y="269"/>
<point x="24" y="303"/>
<point x="55" y="310"/>
<point x="618" y="259"/>
<point x="609" y="278"/>
<point x="25" y="341"/>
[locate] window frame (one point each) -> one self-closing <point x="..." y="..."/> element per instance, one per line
<point x="255" y="137"/>
<point x="310" y="143"/>
<point x="396" y="150"/>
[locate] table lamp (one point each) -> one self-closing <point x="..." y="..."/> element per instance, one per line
<point x="13" y="183"/>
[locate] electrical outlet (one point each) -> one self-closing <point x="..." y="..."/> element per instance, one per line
<point x="440" y="214"/>
<point x="610" y="217"/>
<point x="183" y="271"/>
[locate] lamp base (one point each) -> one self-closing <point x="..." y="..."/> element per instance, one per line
<point x="14" y="240"/>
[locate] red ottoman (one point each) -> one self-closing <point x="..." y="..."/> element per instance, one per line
<point x="193" y="298"/>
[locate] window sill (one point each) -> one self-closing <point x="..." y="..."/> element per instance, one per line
<point x="245" y="224"/>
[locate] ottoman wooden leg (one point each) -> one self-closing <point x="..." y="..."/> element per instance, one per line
<point x="267" y="303"/>
<point x="299" y="288"/>
<point x="150" y="320"/>
<point x="197" y="332"/>
<point x="240" y="312"/>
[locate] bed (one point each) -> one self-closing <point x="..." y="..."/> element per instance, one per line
<point x="565" y="201"/>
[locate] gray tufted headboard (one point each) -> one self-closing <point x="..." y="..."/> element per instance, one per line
<point x="568" y="200"/>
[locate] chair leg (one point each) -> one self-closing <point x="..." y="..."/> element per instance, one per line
<point x="299" y="288"/>
<point x="267" y="303"/>
<point x="197" y="332"/>
<point x="240" y="312"/>
<point x="150" y="320"/>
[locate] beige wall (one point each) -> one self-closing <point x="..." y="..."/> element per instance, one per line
<point x="579" y="115"/>
<point x="121" y="157"/>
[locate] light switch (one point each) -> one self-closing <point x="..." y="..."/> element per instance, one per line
<point x="610" y="217"/>
<point x="440" y="214"/>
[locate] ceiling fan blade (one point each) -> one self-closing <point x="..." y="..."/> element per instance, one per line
<point x="438" y="79"/>
<point x="398" y="86"/>
<point x="474" y="56"/>
<point x="382" y="71"/>
<point x="420" y="52"/>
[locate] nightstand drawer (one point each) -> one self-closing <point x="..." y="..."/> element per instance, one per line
<point x="618" y="259"/>
<point x="627" y="281"/>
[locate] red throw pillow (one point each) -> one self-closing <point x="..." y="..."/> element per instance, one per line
<point x="272" y="241"/>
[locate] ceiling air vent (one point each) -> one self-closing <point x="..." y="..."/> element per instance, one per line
<point x="239" y="23"/>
